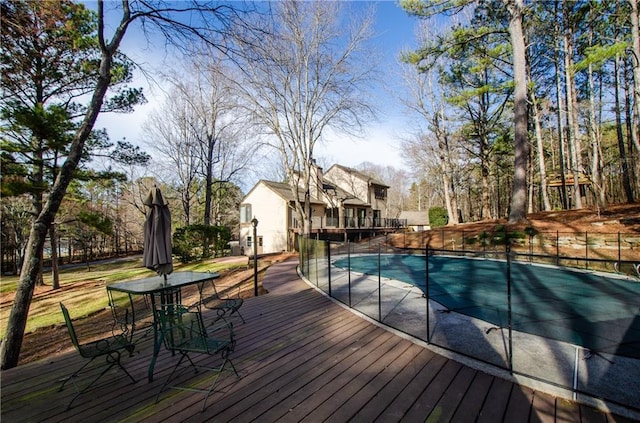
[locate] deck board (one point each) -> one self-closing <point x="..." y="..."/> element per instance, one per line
<point x="473" y="399"/>
<point x="426" y="403"/>
<point x="301" y="357"/>
<point x="372" y="391"/>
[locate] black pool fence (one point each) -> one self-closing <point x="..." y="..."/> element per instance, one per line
<point x="547" y="339"/>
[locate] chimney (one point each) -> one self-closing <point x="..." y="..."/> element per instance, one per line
<point x="316" y="180"/>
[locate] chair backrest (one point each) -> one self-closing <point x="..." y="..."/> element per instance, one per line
<point x="183" y="328"/>
<point x="70" y="328"/>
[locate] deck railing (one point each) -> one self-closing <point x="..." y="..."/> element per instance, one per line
<point x="353" y="223"/>
<point x="533" y="353"/>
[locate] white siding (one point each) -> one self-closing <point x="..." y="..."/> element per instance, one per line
<point x="271" y="211"/>
<point x="350" y="183"/>
<point x="378" y="204"/>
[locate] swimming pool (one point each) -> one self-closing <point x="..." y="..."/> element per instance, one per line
<point x="589" y="309"/>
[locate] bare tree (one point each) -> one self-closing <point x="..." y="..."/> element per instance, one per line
<point x="308" y="74"/>
<point x="169" y="131"/>
<point x="201" y="134"/>
<point x="212" y="22"/>
<point x="215" y="122"/>
<point x="434" y="143"/>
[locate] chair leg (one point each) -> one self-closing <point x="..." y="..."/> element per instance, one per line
<point x="233" y="367"/>
<point x="83" y="390"/>
<point x="74" y="375"/>
<point x="117" y="362"/>
<point x="239" y="314"/>
<point x="166" y="382"/>
<point x="219" y="372"/>
<point x="110" y="359"/>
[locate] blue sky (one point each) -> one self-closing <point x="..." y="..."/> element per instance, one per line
<point x="395" y="31"/>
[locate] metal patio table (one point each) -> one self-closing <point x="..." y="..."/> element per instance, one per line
<point x="165" y="288"/>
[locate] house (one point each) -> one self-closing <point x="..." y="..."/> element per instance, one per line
<point x="345" y="204"/>
<point x="272" y="205"/>
<point x="416" y="220"/>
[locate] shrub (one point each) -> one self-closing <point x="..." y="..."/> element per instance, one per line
<point x="438" y="217"/>
<point x="195" y="242"/>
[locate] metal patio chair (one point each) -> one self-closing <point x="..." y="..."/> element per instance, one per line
<point x="184" y="332"/>
<point x="108" y="347"/>
<point x="213" y="301"/>
<point x="132" y="318"/>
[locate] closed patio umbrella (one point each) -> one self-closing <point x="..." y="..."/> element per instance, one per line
<point x="157" y="235"/>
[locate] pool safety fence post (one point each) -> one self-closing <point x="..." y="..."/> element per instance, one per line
<point x="300" y="255"/>
<point x="307" y="249"/>
<point x="557" y="248"/>
<point x="426" y="289"/>
<point x="315" y="254"/>
<point x="329" y="266"/>
<point x="619" y="252"/>
<point x="509" y="337"/>
<point x="303" y="258"/>
<point x="349" y="269"/>
<point x="379" y="288"/>
<point x="309" y="257"/>
<point x="586" y="250"/>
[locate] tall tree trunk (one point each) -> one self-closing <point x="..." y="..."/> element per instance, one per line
<point x="446" y="162"/>
<point x="540" y="152"/>
<point x="626" y="181"/>
<point x="530" y="201"/>
<point x="634" y="160"/>
<point x="10" y="349"/>
<point x="635" y="47"/>
<point x="450" y="196"/>
<point x="55" y="274"/>
<point x="208" y="194"/>
<point x="594" y="134"/>
<point x="571" y="104"/>
<point x="560" y="110"/>
<point x="518" y="211"/>
<point x="38" y="197"/>
<point x="634" y="146"/>
<point x="448" y="200"/>
<point x="485" y="210"/>
<point x="209" y="179"/>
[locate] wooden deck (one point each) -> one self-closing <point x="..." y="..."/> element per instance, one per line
<point x="301" y="358"/>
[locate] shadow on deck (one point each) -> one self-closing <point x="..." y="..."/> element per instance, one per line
<point x="300" y="357"/>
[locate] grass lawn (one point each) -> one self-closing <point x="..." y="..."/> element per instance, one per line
<point x="83" y="289"/>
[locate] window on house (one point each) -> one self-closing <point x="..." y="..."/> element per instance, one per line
<point x="249" y="241"/>
<point x="380" y="193"/>
<point x="332" y="216"/>
<point x="245" y="213"/>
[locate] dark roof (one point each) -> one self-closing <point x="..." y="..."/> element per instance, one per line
<point x="360" y="175"/>
<point x="415" y="218"/>
<point x="283" y="189"/>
